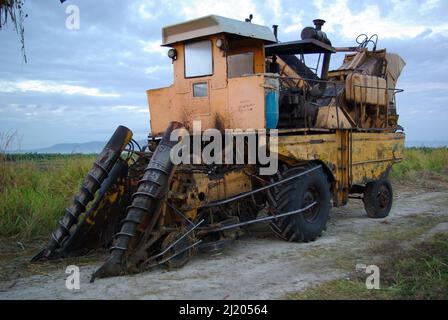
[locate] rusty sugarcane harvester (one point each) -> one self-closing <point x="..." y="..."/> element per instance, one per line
<point x="333" y="133"/>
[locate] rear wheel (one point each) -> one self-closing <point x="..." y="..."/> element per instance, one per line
<point x="296" y="194"/>
<point x="378" y="198"/>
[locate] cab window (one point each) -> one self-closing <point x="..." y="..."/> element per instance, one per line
<point x="240" y="64"/>
<point x="200" y="89"/>
<point x="198" y="59"/>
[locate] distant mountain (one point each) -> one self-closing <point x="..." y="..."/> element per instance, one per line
<point x="67" y="148"/>
<point x="86" y="147"/>
<point x="97" y="146"/>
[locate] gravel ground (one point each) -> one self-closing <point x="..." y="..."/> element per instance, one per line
<point x="257" y="266"/>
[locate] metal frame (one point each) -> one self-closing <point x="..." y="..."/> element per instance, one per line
<point x="305" y="91"/>
<point x="236" y="225"/>
<point x="359" y="106"/>
<point x="334" y="95"/>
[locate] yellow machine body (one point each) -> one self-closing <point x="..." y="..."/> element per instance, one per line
<point x="352" y="154"/>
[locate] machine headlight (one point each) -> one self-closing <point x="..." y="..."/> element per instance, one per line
<point x="219" y="43"/>
<point x="172" y="53"/>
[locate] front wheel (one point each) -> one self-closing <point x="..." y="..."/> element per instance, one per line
<point x="299" y="193"/>
<point x="378" y="198"/>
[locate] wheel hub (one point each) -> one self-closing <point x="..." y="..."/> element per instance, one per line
<point x="309" y="197"/>
<point x="383" y="196"/>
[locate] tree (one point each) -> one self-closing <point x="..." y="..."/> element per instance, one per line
<point x="11" y="13"/>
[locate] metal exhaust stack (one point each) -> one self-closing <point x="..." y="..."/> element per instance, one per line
<point x="317" y="34"/>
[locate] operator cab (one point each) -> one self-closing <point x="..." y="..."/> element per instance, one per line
<point x="218" y="67"/>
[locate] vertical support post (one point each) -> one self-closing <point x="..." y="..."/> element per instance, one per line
<point x="344" y="169"/>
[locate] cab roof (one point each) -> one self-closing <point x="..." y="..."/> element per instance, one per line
<point x="213" y="24"/>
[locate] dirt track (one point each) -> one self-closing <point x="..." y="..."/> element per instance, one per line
<point x="259" y="266"/>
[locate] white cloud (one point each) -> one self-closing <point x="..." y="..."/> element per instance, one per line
<point x="236" y="9"/>
<point x="52" y="87"/>
<point x="157" y="68"/>
<point x="276" y="8"/>
<point x="296" y="24"/>
<point x="422" y="87"/>
<point x="341" y="19"/>
<point x="154" y="46"/>
<point x="153" y="10"/>
<point x="121" y="108"/>
<point x="146" y="10"/>
<point x="429" y="5"/>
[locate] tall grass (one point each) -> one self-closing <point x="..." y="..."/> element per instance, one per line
<point x="34" y="190"/>
<point x="422" y="160"/>
<point x="33" y="194"/>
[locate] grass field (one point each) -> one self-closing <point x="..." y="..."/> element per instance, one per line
<point x="417" y="160"/>
<point x="417" y="273"/>
<point x="35" y="189"/>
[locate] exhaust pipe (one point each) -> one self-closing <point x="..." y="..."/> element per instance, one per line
<point x="275" y="31"/>
<point x="317" y="34"/>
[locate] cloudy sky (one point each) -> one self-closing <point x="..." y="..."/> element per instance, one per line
<point x="78" y="85"/>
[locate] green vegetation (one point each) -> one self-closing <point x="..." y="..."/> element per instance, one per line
<point x="41" y="156"/>
<point x="418" y="273"/>
<point x="34" y="190"/>
<point x="417" y="160"/>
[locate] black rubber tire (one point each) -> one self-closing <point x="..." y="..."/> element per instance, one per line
<point x="378" y="198"/>
<point x="181" y="259"/>
<point x="296" y="194"/>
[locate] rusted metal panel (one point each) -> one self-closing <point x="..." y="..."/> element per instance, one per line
<point x="333" y="117"/>
<point x="162" y="108"/>
<point x="304" y="147"/>
<point x="373" y="154"/>
<point x="343" y="152"/>
<point x="194" y="187"/>
<point x="352" y="157"/>
<point x="246" y="102"/>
